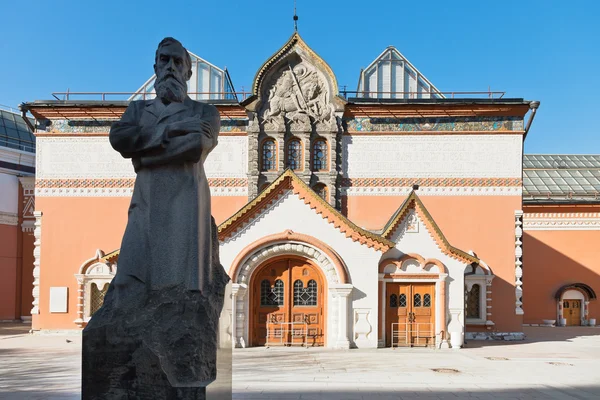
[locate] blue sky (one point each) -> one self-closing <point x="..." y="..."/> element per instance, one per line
<point x="538" y="50"/>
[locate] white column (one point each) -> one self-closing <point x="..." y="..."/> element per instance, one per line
<point x="238" y="291"/>
<point x="456" y="328"/>
<point x="37" y="233"/>
<point x="342" y="292"/>
<point x="382" y="306"/>
<point x="519" y="262"/>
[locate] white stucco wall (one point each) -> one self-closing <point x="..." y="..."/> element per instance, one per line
<point x="432" y="156"/>
<point x="290" y="212"/>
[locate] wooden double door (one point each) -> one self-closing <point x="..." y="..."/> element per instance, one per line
<point x="287" y="304"/>
<point x="572" y="312"/>
<point x="410" y="314"/>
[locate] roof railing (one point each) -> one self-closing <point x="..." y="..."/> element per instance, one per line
<point x="240" y="96"/>
<point x="104" y="96"/>
<point x="10" y="109"/>
<point x="421" y="95"/>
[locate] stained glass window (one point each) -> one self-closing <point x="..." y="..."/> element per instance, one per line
<point x="271" y="296"/>
<point x="305" y="296"/>
<point x="294" y="154"/>
<point x="473" y="302"/>
<point x="417" y="300"/>
<point x="320" y="155"/>
<point x="269" y="153"/>
<point x="393" y="301"/>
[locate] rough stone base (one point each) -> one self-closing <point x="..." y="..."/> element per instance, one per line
<point x="509" y="336"/>
<point x="162" y="346"/>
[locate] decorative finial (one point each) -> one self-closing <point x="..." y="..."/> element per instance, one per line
<point x="295" y="18"/>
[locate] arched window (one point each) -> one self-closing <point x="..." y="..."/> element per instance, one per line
<point x="322" y="191"/>
<point x="271" y="296"/>
<point x="427" y="300"/>
<point x="269" y="155"/>
<point x="294" y="154"/>
<point x="97" y="297"/>
<point x="473" y="301"/>
<point x="417" y="300"/>
<point x="320" y="155"/>
<point x="402" y="300"/>
<point x="393" y="301"/>
<point x="305" y="296"/>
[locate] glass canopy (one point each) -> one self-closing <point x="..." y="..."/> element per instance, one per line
<point x="208" y="82"/>
<point x="392" y="76"/>
<point x="14" y="133"/>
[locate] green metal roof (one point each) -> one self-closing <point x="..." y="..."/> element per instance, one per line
<point x="561" y="177"/>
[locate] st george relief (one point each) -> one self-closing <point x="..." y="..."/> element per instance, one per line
<point x="298" y="99"/>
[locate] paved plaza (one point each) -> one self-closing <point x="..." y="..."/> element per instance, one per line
<point x="553" y="363"/>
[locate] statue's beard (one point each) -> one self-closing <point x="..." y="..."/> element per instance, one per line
<point x="171" y="89"/>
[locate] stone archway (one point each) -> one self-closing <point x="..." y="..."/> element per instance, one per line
<point x="574" y="299"/>
<point x="290" y="244"/>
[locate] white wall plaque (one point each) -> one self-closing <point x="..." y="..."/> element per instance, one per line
<point x="58" y="299"/>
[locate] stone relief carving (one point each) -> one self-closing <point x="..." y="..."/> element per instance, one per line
<point x="298" y="99"/>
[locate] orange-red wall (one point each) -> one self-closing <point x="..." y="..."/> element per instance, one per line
<point x="27" y="273"/>
<point x="73" y="228"/>
<point x="223" y="207"/>
<point x="552" y="259"/>
<point x="484" y="224"/>
<point x="8" y="271"/>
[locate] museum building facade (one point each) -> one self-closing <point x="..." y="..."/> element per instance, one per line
<point x="398" y="216"/>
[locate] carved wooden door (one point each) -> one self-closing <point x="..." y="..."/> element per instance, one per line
<point x="288" y="304"/>
<point x="572" y="312"/>
<point x="410" y="314"/>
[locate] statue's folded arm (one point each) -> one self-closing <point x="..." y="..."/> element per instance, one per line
<point x="132" y="140"/>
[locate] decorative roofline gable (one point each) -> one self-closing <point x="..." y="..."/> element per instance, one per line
<point x="290" y="181"/>
<point x="414" y="202"/>
<point x="285" y="50"/>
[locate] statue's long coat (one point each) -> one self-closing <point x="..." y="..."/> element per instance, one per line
<point x="168" y="237"/>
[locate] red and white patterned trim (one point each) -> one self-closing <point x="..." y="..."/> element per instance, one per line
<point x="561" y="221"/>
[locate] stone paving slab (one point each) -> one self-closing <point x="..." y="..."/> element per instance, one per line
<point x="553" y="363"/>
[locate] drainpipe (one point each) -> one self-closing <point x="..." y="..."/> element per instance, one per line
<point x="533" y="106"/>
<point x="27" y="121"/>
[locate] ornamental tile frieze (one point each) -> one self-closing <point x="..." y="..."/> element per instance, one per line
<point x="62" y="126"/>
<point x="442" y="124"/>
<point x="431" y="182"/>
<point x="124" y="183"/>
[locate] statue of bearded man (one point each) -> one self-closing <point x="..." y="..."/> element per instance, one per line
<point x="170" y="232"/>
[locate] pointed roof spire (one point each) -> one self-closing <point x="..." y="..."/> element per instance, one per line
<point x="295" y="18"/>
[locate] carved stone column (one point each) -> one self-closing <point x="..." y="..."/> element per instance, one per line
<point x="37" y="233"/>
<point x="518" y="262"/>
<point x="342" y="292"/>
<point x="238" y="292"/>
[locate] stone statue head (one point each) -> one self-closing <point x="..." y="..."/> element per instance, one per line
<point x="173" y="68"/>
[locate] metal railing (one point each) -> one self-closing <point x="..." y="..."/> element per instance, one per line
<point x="286" y="334"/>
<point x="4" y="142"/>
<point x="241" y="96"/>
<point x="408" y="334"/>
<point x="104" y="96"/>
<point x="10" y="109"/>
<point x="422" y="95"/>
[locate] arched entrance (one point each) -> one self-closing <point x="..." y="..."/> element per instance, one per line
<point x="287" y="300"/>
<point x="573" y="303"/>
